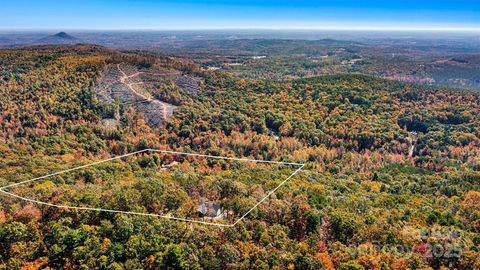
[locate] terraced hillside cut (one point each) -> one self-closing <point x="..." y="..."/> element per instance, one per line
<point x="130" y="85"/>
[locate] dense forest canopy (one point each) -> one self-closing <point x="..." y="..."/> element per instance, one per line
<point x="392" y="169"/>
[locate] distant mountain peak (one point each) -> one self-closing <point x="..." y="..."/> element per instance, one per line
<point x="59" y="38"/>
<point x="64" y="35"/>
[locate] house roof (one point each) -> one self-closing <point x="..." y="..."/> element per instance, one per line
<point x="209" y="209"/>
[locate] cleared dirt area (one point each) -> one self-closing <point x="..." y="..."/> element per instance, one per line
<point x="125" y="83"/>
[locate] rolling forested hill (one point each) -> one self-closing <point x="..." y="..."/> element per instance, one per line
<point x="392" y="169"/>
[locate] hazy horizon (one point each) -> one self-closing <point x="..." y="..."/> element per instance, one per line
<point x="375" y="15"/>
<point x="345" y="29"/>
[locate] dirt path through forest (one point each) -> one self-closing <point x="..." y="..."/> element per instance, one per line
<point x="124" y="78"/>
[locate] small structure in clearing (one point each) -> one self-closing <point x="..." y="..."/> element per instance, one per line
<point x="210" y="210"/>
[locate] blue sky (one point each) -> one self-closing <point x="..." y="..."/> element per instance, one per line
<point x="236" y="14"/>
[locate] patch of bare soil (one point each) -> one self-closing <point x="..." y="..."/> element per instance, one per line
<point x="123" y="83"/>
